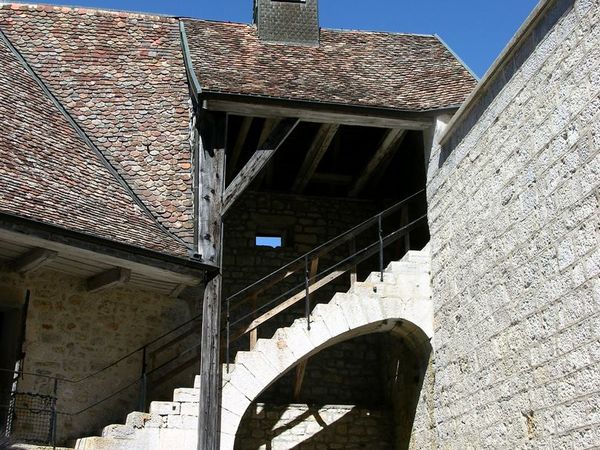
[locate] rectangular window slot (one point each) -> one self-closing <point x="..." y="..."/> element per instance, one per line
<point x="273" y="241"/>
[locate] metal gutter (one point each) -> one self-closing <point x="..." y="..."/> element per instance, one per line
<point x="496" y="68"/>
<point x="82" y="134"/>
<point x="187" y="60"/>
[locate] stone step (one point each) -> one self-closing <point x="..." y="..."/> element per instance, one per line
<point x="18" y="446"/>
<point x="186" y="395"/>
<point x="417" y="257"/>
<point x="139" y="420"/>
<point x="406" y="267"/>
<point x="102" y="443"/>
<point x="165" y="408"/>
<point x="117" y="431"/>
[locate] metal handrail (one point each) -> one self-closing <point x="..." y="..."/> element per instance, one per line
<point x="262" y="284"/>
<point x="326" y="246"/>
<point x="281" y="302"/>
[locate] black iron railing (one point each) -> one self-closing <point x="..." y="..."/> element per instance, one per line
<point x="309" y="279"/>
<point x="32" y="415"/>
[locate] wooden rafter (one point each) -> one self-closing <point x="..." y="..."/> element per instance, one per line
<point x="107" y="279"/>
<point x="317" y="150"/>
<point x="33" y="259"/>
<point x="337" y="179"/>
<point x="390" y="143"/>
<point x="264" y="134"/>
<point x="300" y="370"/>
<point x="260" y="158"/>
<point x="380" y="119"/>
<point x="236" y="151"/>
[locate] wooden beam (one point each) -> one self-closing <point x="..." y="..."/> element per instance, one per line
<point x="260" y="158"/>
<point x="85" y="249"/>
<point x="354" y="116"/>
<point x="264" y="135"/>
<point x="236" y="150"/>
<point x="266" y="131"/>
<point x="315" y="153"/>
<point x="212" y="182"/>
<point x="300" y="370"/>
<point x="32" y="260"/>
<point x="332" y="178"/>
<point x="379" y="174"/>
<point x="389" y="144"/>
<point x="176" y="292"/>
<point x="107" y="279"/>
<point x="289" y="302"/>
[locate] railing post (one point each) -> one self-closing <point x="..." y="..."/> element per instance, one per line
<point x="227" y="334"/>
<point x="144" y="380"/>
<point x="380" y="248"/>
<point x="353" y="274"/>
<point x="307" y="292"/>
<point x="53" y="415"/>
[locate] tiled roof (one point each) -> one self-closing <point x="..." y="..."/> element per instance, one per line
<point x="49" y="174"/>
<point x="121" y="77"/>
<point x="408" y="72"/>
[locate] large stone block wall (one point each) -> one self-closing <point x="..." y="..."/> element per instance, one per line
<point x="72" y="333"/>
<point x="514" y="218"/>
<point x="305" y="222"/>
<point x="348" y="373"/>
<point x="328" y="427"/>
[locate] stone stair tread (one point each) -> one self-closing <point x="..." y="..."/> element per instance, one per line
<point x="269" y="357"/>
<point x="118" y="431"/>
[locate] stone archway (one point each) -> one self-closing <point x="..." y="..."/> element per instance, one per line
<point x="401" y="303"/>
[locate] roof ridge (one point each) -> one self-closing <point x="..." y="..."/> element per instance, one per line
<point x="335" y="30"/>
<point x="40" y="6"/>
<point x="83" y="136"/>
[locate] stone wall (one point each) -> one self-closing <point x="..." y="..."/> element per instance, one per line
<point x="513" y="211"/>
<point x="304" y="222"/>
<point x="72" y="333"/>
<point x="329" y="427"/>
<point x="349" y="373"/>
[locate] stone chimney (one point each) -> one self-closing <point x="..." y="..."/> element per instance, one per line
<point x="287" y="21"/>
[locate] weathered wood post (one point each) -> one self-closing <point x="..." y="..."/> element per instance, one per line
<point x="210" y="184"/>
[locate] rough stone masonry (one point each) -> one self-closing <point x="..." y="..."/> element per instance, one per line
<point x="514" y="217"/>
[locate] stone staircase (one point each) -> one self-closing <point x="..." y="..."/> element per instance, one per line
<point x="402" y="299"/>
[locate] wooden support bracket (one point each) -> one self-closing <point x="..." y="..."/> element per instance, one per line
<point x="260" y="158"/>
<point x="32" y="260"/>
<point x="107" y="279"/>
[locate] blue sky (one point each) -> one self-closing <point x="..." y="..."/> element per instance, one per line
<point x="477" y="30"/>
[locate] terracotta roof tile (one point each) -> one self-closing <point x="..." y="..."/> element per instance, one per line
<point x="402" y="71"/>
<point x="121" y="77"/>
<point x="50" y="175"/>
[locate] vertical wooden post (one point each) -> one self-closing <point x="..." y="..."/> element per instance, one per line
<point x="253" y="333"/>
<point x="211" y="167"/>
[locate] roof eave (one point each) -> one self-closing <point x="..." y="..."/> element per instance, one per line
<point x="311" y="110"/>
<point x="92" y="243"/>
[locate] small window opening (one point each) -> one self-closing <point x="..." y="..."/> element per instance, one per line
<point x="274" y="241"/>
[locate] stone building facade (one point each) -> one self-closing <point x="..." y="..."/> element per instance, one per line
<point x="484" y="335"/>
<point x="513" y="197"/>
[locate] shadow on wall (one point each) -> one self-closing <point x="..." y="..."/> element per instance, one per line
<point x="372" y="385"/>
<point x="315" y="427"/>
